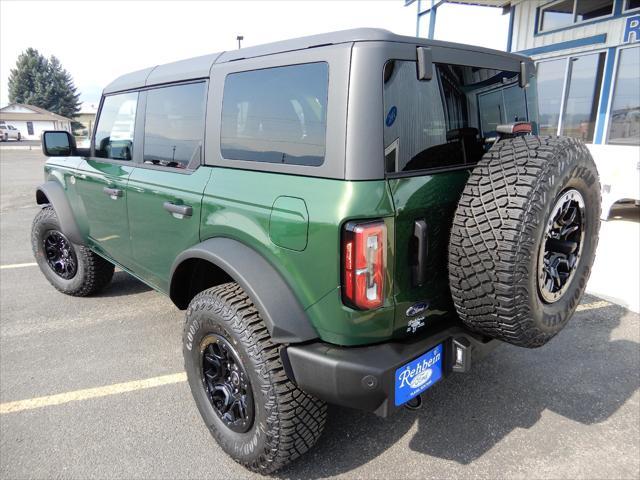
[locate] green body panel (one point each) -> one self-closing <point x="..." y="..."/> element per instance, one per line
<point x="432" y="198"/>
<point x="158" y="236"/>
<point x="294" y="222"/>
<point x="238" y="204"/>
<point x="105" y="217"/>
<point x="64" y="170"/>
<point x="289" y="223"/>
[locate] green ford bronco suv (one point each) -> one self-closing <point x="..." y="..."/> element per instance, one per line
<point x="346" y="218"/>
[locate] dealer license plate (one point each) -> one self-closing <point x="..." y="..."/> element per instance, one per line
<point x="416" y="376"/>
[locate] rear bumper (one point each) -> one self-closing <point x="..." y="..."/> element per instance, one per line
<point x="364" y="377"/>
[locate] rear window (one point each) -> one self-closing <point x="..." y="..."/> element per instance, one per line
<point x="174" y="125"/>
<point x="276" y="115"/>
<point x="445" y="122"/>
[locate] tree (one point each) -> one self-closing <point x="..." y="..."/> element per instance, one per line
<point x="43" y="83"/>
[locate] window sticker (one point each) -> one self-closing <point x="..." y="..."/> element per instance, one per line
<point x="391" y="116"/>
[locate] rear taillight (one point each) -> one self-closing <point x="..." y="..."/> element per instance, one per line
<point x="364" y="257"/>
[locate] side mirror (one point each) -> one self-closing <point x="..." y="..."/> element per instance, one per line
<point x="58" y="143"/>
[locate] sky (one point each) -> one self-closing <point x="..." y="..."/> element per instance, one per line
<point x="97" y="41"/>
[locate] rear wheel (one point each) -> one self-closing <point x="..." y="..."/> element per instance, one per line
<point x="255" y="413"/>
<point x="70" y="268"/>
<point x="524" y="238"/>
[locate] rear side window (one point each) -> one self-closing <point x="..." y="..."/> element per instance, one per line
<point x="447" y="121"/>
<point x="174" y="125"/>
<point x="276" y="115"/>
<point x="114" y="133"/>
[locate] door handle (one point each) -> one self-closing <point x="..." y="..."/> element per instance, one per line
<point x="114" y="193"/>
<point x="419" y="259"/>
<point x="175" y="209"/>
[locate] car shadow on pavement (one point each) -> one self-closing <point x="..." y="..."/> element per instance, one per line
<point x="122" y="285"/>
<point x="582" y="375"/>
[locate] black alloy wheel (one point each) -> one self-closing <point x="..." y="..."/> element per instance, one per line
<point x="562" y="245"/>
<point x="226" y="383"/>
<point x="60" y="255"/>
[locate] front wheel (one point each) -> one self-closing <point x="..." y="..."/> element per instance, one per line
<point x="70" y="268"/>
<point x="255" y="413"/>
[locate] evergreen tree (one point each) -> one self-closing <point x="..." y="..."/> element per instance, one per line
<point x="43" y="83"/>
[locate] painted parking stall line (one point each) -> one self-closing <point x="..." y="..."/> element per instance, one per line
<point x="135" y="385"/>
<point x="85" y="394"/>
<point x="593" y="305"/>
<point x="18" y="265"/>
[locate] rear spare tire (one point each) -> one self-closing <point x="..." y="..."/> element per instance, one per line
<point x="524" y="238"/>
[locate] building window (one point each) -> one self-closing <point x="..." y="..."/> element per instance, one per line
<point x="174" y="125"/>
<point x="632" y="4"/>
<point x="557" y="15"/>
<point x="591" y="9"/>
<point x="114" y="135"/>
<point x="575" y="113"/>
<point x="29" y="128"/>
<point x="583" y="94"/>
<point x="624" y="119"/>
<point x="565" y="13"/>
<point x="550" y="78"/>
<point x="276" y="115"/>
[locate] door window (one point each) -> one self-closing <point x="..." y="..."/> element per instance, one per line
<point x="174" y="125"/>
<point x="114" y="134"/>
<point x="276" y="115"/>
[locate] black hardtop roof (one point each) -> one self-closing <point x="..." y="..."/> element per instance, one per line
<point x="200" y="67"/>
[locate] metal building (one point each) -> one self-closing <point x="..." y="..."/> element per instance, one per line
<point x="588" y="74"/>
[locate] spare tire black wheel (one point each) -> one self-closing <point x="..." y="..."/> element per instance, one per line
<point x="524" y="238"/>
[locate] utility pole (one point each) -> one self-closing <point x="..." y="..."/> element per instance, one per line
<point x="239" y="38"/>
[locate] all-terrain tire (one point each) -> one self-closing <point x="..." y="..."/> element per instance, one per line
<point x="92" y="272"/>
<point x="498" y="230"/>
<point x="287" y="421"/>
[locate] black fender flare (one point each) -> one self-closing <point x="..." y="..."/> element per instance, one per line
<point x="53" y="193"/>
<point x="279" y="308"/>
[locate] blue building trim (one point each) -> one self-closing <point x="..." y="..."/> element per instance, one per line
<point x="618" y="5"/>
<point x="432" y="21"/>
<point x="607" y="80"/>
<point x="512" y="14"/>
<point x="580" y="42"/>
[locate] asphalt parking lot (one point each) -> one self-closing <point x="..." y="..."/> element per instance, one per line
<point x="570" y="409"/>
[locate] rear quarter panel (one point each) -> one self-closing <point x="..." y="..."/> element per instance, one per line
<point x="238" y="204"/>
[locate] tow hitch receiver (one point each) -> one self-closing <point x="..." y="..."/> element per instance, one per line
<point x="461" y="361"/>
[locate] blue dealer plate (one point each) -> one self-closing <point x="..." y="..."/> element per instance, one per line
<point x="416" y="376"/>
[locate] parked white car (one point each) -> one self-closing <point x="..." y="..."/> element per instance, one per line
<point x="9" y="132"/>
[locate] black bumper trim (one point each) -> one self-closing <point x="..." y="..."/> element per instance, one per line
<point x="363" y="377"/>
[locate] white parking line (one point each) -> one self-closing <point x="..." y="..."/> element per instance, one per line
<point x="592" y="306"/>
<point x="18" y="265"/>
<point x="117" y="388"/>
<point x="78" y="395"/>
